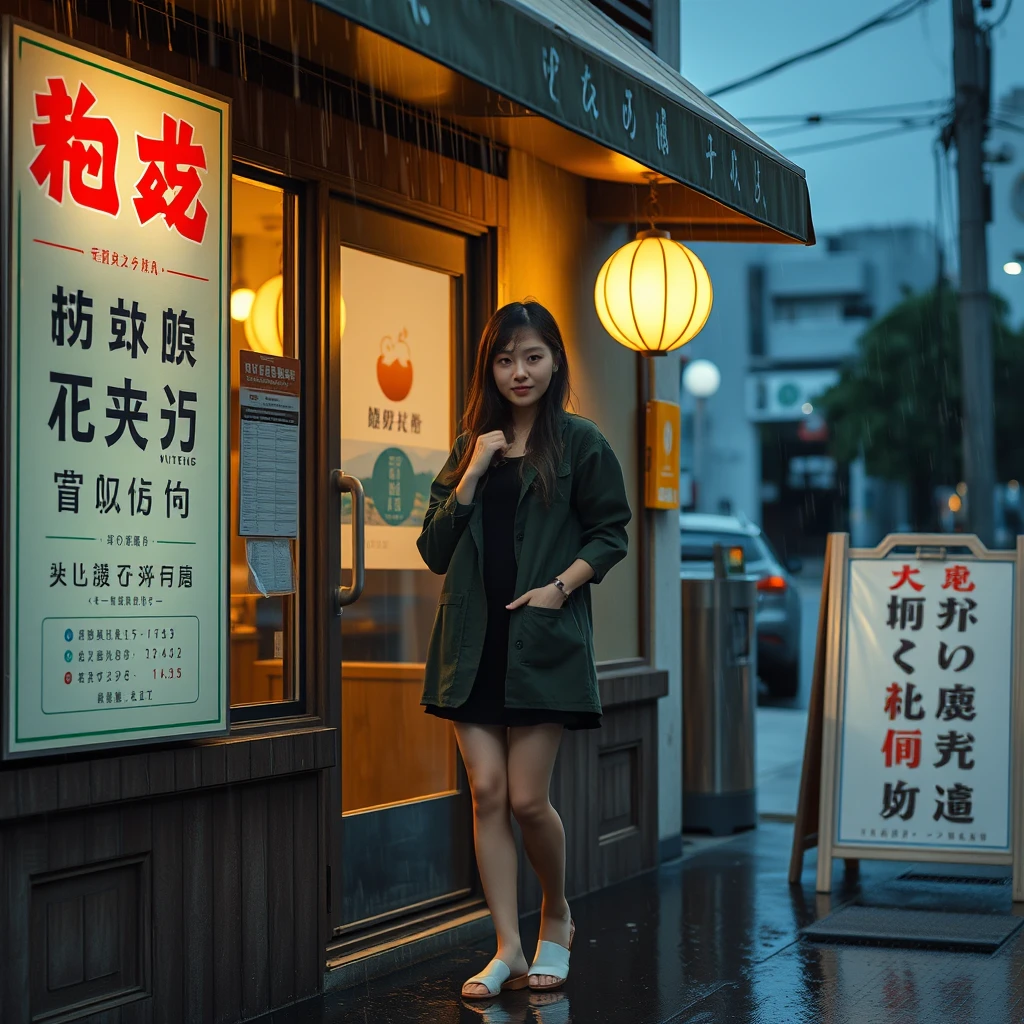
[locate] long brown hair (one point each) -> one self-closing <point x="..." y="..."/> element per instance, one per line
<point x="487" y="410"/>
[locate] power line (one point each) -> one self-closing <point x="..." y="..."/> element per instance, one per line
<point x="854" y="140"/>
<point x="887" y="17"/>
<point x="921" y="121"/>
<point x="850" y="112"/>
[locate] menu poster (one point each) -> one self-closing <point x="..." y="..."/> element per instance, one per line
<point x="117" y="398"/>
<point x="268" y="474"/>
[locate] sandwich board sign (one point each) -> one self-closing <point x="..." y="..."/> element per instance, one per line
<point x="916" y="707"/>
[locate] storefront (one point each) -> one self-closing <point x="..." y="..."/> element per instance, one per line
<point x="373" y="179"/>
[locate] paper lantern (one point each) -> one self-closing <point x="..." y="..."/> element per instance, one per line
<point x="264" y="327"/>
<point x="241" y="304"/>
<point x="653" y="295"/>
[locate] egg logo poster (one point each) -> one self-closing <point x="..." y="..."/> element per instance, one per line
<point x="396" y="398"/>
<point x="394" y="367"/>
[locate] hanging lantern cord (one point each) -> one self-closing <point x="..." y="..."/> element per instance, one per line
<point x="653" y="209"/>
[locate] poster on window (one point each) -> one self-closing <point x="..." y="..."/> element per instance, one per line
<point x="396" y="398"/>
<point x="925" y="736"/>
<point x="117" y="396"/>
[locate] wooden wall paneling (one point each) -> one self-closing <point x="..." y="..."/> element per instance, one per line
<point x="73" y="786"/>
<point x="67" y="843"/>
<point x="168" y="924"/>
<point x="462" y="175"/>
<point x="197" y="901"/>
<point x="137" y="838"/>
<point x="446" y="167"/>
<point x="312" y="925"/>
<point x="255" y="917"/>
<point x="37" y="790"/>
<point x="187" y="768"/>
<point x="27" y="854"/>
<point x="227" y="906"/>
<point x="8" y="795"/>
<point x="102" y="834"/>
<point x="577" y="788"/>
<point x="281" y="891"/>
<point x="477" y="203"/>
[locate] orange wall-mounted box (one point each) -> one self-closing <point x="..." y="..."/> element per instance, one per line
<point x="661" y="479"/>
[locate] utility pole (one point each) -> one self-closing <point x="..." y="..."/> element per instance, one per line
<point x="971" y="82"/>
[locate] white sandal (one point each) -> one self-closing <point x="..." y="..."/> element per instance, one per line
<point x="495" y="977"/>
<point x="551" y="960"/>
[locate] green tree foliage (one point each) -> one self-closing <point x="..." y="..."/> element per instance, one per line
<point x="898" y="402"/>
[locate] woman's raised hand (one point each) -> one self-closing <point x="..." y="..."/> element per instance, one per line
<point x="487" y="446"/>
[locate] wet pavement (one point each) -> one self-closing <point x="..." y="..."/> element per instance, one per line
<point x="713" y="939"/>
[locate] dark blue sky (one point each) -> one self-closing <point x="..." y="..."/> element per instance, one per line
<point x="888" y="181"/>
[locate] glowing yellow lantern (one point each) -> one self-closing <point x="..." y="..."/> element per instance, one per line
<point x="653" y="295"/>
<point x="264" y="327"/>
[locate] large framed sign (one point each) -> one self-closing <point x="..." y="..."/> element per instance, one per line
<point x="920" y="714"/>
<point x="115" y="378"/>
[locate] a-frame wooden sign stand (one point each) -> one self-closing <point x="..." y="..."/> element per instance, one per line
<point x="915" y="730"/>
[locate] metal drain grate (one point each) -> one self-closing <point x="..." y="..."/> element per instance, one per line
<point x="920" y="929"/>
<point x="937" y="879"/>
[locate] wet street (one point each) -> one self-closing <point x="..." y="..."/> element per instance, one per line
<point x="714" y="939"/>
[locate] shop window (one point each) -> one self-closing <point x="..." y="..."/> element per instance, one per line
<point x="264" y="609"/>
<point x="396" y="389"/>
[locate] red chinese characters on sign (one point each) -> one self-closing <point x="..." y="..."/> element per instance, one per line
<point x="75" y="144"/>
<point x="111" y="258"/>
<point x="173" y="167"/>
<point x="79" y="150"/>
<point x="902" y="748"/>
<point x="906" y="575"/>
<point x="959" y="578"/>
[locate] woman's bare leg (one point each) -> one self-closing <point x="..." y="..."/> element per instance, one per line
<point x="531" y="759"/>
<point x="485" y="752"/>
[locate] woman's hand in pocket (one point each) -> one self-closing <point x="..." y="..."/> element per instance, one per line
<point x="541" y="597"/>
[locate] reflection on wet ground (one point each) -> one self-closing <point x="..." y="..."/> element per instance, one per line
<point x="713" y="939"/>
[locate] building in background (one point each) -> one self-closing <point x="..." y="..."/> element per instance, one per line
<point x="783" y="322"/>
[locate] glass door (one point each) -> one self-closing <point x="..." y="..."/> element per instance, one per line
<point x="397" y="295"/>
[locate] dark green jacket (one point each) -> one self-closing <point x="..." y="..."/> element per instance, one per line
<point x="551" y="651"/>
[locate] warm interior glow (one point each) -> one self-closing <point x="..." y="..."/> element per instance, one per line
<point x="653" y="295"/>
<point x="264" y="327"/>
<point x="241" y="303"/>
<point x="954" y="503"/>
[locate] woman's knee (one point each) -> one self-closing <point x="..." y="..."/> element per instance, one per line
<point x="529" y="806"/>
<point x="490" y="792"/>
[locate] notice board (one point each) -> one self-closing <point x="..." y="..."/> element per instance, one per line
<point x="116" y="238"/>
<point x="916" y="707"/>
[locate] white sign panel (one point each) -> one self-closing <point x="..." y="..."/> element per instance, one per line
<point x="925" y="736"/>
<point x="396" y="398"/>
<point x="117" y="391"/>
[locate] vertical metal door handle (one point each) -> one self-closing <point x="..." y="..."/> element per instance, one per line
<point x="352" y="485"/>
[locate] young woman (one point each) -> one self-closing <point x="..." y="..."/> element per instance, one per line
<point x="529" y="510"/>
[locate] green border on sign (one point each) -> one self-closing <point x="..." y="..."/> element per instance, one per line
<point x="23" y="38"/>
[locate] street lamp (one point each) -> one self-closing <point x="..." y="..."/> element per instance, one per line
<point x="701" y="379"/>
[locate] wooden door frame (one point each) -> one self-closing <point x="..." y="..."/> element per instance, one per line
<point x="473" y="304"/>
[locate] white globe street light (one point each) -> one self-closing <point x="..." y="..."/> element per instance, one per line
<point x="701" y="378"/>
<point x="1013" y="268"/>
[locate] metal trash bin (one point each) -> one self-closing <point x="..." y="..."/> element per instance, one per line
<point x="719" y="697"/>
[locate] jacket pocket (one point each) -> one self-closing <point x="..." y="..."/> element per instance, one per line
<point x="553" y="639"/>
<point x="446" y="638"/>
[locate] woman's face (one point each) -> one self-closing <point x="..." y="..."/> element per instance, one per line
<point x="523" y="371"/>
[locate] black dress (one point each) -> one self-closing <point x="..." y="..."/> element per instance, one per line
<point x="486" y="702"/>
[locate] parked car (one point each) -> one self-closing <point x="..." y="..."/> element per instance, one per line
<point x="778" y="603"/>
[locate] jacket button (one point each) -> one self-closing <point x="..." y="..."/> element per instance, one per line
<point x="519" y="645"/>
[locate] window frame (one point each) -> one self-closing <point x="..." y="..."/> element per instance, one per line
<point x="297" y="707"/>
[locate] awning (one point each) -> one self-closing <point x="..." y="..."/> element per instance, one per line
<point x="565" y="61"/>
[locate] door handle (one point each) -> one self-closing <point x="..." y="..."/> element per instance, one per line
<point x="352" y="485"/>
